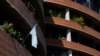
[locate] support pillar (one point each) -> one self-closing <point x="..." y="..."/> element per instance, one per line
<point x="89" y="3"/>
<point x="68" y="35"/>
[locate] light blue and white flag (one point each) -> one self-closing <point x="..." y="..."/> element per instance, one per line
<point x="34" y="36"/>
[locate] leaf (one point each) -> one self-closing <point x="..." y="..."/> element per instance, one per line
<point x="8" y="27"/>
<point x="79" y="20"/>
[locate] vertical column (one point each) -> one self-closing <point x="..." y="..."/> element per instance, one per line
<point x="89" y="3"/>
<point x="68" y="35"/>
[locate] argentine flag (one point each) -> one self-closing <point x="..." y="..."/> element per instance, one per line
<point x="34" y="36"/>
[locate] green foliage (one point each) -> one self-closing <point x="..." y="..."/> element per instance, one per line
<point x="56" y="13"/>
<point x="59" y="14"/>
<point x="79" y="20"/>
<point x="8" y="27"/>
<point x="50" y="12"/>
<point x="63" y="38"/>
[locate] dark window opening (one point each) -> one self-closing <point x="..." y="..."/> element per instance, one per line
<point x="96" y="5"/>
<point x="75" y="37"/>
<point x="56" y="51"/>
<point x="97" y="28"/>
<point x="56" y="32"/>
<point x="97" y="47"/>
<point x="86" y="42"/>
<point x="88" y="22"/>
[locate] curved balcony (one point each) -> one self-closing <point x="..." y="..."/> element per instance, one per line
<point x="10" y="47"/>
<point x="18" y="13"/>
<point x="73" y="46"/>
<point x="23" y="18"/>
<point x="76" y="6"/>
<point x="68" y="24"/>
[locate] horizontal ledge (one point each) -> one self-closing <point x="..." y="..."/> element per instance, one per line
<point x="68" y="24"/>
<point x="73" y="46"/>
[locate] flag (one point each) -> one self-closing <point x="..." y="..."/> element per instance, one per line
<point x="34" y="36"/>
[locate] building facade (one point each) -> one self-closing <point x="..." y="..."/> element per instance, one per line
<point x="72" y="27"/>
<point x="64" y="27"/>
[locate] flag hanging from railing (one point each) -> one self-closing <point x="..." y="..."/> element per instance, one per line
<point x="34" y="36"/>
